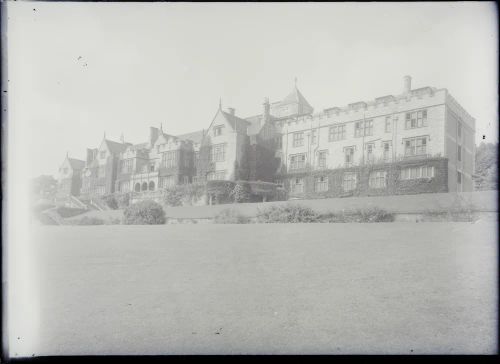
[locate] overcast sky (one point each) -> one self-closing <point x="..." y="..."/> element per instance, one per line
<point x="77" y="70"/>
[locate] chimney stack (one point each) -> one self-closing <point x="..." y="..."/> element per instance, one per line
<point x="267" y="108"/>
<point x="231" y="110"/>
<point x="153" y="135"/>
<point x="407" y="84"/>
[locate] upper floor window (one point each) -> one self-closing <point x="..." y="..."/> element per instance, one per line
<point x="416" y="119"/>
<point x="218" y="130"/>
<point x="321" y="184"/>
<point x="158" y="148"/>
<point x="459" y="129"/>
<point x="388" y="124"/>
<point x="297" y="161"/>
<point x="218" y="153"/>
<point x="313" y="136"/>
<point x="415" y="146"/>
<point x="152" y="167"/>
<point x="459" y="153"/>
<point x="322" y="158"/>
<point x="169" y="159"/>
<point x="278" y="142"/>
<point x="102" y="154"/>
<point x="126" y="165"/>
<point x="363" y="128"/>
<point x="298" y="139"/>
<point x="387" y="151"/>
<point x="101" y="171"/>
<point x="377" y="179"/>
<point x="369" y="152"/>
<point x="336" y="133"/>
<point x="349" y="156"/>
<point x="459" y="177"/>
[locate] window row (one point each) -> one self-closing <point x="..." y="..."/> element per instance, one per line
<point x="416" y="119"/>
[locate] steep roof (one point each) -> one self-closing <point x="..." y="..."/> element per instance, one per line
<point x="194" y="136"/>
<point x="76" y="164"/>
<point x="295" y="97"/>
<point x="115" y="147"/>
<point x="235" y="121"/>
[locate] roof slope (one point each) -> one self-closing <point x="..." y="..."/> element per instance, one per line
<point x="76" y="164"/>
<point x="194" y="136"/>
<point x="295" y="97"/>
<point x="235" y="121"/>
<point x="116" y="147"/>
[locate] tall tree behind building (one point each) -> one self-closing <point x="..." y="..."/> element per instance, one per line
<point x="486" y="174"/>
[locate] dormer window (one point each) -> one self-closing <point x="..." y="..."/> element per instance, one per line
<point x="218" y="130"/>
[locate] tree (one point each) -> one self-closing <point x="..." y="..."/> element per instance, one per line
<point x="485" y="177"/>
<point x="45" y="187"/>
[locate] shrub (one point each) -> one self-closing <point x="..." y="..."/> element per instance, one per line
<point x="145" y="212"/>
<point x="281" y="194"/>
<point x="372" y="214"/>
<point x="231" y="216"/>
<point x="86" y="220"/>
<point x="221" y="190"/>
<point x="110" y="201"/>
<point x="173" y="196"/>
<point x="123" y="200"/>
<point x="241" y="192"/>
<point x="289" y="213"/>
<point x="66" y="212"/>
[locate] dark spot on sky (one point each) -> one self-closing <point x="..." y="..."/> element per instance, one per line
<point x="34" y="9"/>
<point x="484" y="136"/>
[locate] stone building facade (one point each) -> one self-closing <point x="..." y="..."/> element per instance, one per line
<point x="418" y="141"/>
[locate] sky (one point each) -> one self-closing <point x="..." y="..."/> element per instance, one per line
<point x="77" y="70"/>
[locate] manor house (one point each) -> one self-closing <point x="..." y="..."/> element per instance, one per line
<point x="417" y="141"/>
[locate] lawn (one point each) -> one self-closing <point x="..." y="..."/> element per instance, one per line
<point x="397" y="288"/>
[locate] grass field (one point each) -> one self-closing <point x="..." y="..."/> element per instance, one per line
<point x="297" y="288"/>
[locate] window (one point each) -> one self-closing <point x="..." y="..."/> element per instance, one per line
<point x="388" y="124"/>
<point x="377" y="179"/>
<point x="158" y="148"/>
<point x="298" y="139"/>
<point x="369" y="152"/>
<point x="349" y="181"/>
<point x="127" y="165"/>
<point x="185" y="180"/>
<point x="313" y="136"/>
<point x="279" y="182"/>
<point x="216" y="175"/>
<point x="169" y="159"/>
<point x="124" y="186"/>
<point x="321" y="184"/>
<point x="363" y="128"/>
<point x="336" y="133"/>
<point x="278" y="142"/>
<point x="322" y="159"/>
<point x="297" y="185"/>
<point x="102" y="154"/>
<point x="459" y="153"/>
<point x="152" y="167"/>
<point x="218" y="153"/>
<point x="297" y="161"/>
<point x="218" y="130"/>
<point x="417" y="172"/>
<point x="387" y="151"/>
<point x="459" y="177"/>
<point x="349" y="156"/>
<point x="196" y="157"/>
<point x="167" y="181"/>
<point x="415" y="146"/>
<point x="416" y="119"/>
<point x="459" y="129"/>
<point x="65" y="170"/>
<point x="101" y="171"/>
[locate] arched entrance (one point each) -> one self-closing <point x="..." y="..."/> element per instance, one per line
<point x="144" y="186"/>
<point x="151" y="186"/>
<point x="137" y="187"/>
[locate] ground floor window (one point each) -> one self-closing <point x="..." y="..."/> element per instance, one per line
<point x="297" y="185"/>
<point x="349" y="181"/>
<point x="167" y="181"/>
<point x="124" y="186"/>
<point x="378" y="179"/>
<point x="321" y="184"/>
<point x="216" y="175"/>
<point x="417" y="172"/>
